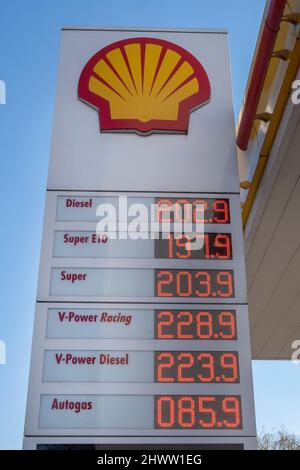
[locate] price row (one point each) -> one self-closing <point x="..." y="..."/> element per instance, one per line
<point x="200" y="210"/>
<point x="86" y="244"/>
<point x="126" y="282"/>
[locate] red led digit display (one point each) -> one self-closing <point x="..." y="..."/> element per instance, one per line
<point x="199" y="325"/>
<point x="213" y="246"/>
<point x="196" y="367"/>
<point x="209" y="283"/>
<point x="198" y="412"/>
<point x="205" y="210"/>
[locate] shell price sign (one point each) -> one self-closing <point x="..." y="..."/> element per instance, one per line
<point x="141" y="333"/>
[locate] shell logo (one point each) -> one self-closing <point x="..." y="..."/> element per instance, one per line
<point x="144" y="85"/>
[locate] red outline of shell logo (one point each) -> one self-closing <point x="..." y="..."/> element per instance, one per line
<point x="144" y="85"/>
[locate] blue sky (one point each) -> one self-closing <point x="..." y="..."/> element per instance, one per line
<point x="29" y="44"/>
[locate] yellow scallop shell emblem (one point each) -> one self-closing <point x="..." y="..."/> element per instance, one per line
<point x="144" y="85"/>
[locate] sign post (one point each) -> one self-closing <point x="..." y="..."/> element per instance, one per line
<point x="141" y="334"/>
